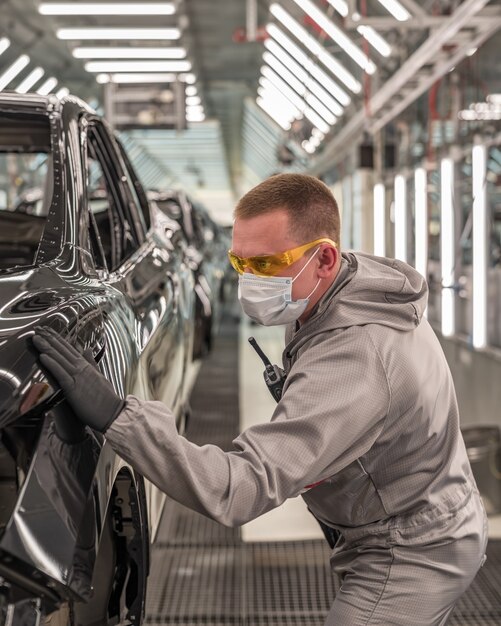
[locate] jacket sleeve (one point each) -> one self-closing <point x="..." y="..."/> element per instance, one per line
<point x="332" y="410"/>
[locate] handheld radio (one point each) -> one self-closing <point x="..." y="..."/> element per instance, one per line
<point x="274" y="376"/>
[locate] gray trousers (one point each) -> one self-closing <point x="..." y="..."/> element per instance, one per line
<point x="406" y="585"/>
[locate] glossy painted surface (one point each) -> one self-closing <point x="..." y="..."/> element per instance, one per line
<point x="205" y="252"/>
<point x="137" y="318"/>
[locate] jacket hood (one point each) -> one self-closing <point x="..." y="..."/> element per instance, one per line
<point x="370" y="290"/>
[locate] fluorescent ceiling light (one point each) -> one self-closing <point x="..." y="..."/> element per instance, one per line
<point x="337" y="35"/>
<point x="310" y="67"/>
<point x="118" y="33"/>
<point x="129" y="53"/>
<point x="273" y="113"/>
<point x="64" y="91"/>
<point x="375" y="39"/>
<point x="308" y="146"/>
<point x="136" y="78"/>
<point x="479" y="163"/>
<point x="274" y="94"/>
<point x="379" y="220"/>
<point x="4" y="44"/>
<point x="30" y="80"/>
<point x="367" y="32"/>
<point x="283" y="73"/>
<point x="47" y="86"/>
<point x="400" y="218"/>
<point x="195" y="117"/>
<point x="105" y="8"/>
<point x="316" y="120"/>
<point x="194" y="108"/>
<point x="399" y="12"/>
<point x="296" y="100"/>
<point x="282" y="86"/>
<point x="447" y="252"/>
<point x="193" y="100"/>
<point x="310" y="83"/>
<point x="191" y="90"/>
<point x="319" y="108"/>
<point x="421" y="221"/>
<point x="332" y="64"/>
<point x="341" y="6"/>
<point x="138" y="66"/>
<point x="299" y="88"/>
<point x="277" y="100"/>
<point x="189" y="79"/>
<point x="13" y="70"/>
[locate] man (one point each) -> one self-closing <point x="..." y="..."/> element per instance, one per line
<point x="367" y="429"/>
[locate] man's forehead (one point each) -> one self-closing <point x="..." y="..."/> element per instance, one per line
<point x="263" y="234"/>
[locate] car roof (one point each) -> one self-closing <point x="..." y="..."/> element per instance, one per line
<point x="33" y="102"/>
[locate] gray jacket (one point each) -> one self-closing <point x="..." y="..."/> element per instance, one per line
<point x="367" y="429"/>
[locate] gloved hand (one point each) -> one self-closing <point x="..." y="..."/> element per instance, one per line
<point x="90" y="395"/>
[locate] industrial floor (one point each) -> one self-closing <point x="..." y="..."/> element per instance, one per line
<point x="275" y="570"/>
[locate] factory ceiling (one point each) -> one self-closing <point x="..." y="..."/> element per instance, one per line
<point x="372" y="64"/>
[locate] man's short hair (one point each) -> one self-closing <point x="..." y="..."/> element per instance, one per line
<point x="312" y="209"/>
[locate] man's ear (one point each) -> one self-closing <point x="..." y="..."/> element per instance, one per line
<point x="327" y="261"/>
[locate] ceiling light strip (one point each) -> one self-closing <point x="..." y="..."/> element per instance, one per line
<point x="111" y="67"/>
<point x="322" y="110"/>
<point x="284" y="73"/>
<point x="284" y="89"/>
<point x="367" y="32"/>
<point x="105" y="8"/>
<point x="299" y="88"/>
<point x="332" y="64"/>
<point x="297" y="101"/>
<point x="341" y="7"/>
<point x="273" y="113"/>
<point x="118" y="33"/>
<point x="128" y="53"/>
<point x="268" y="91"/>
<point x="316" y="120"/>
<point x="399" y="12"/>
<point x="136" y="78"/>
<point x="303" y="76"/>
<point x="4" y="44"/>
<point x="13" y="70"/>
<point x="47" y="86"/>
<point x="300" y="57"/>
<point x="337" y="35"/>
<point x="375" y="39"/>
<point x="33" y="77"/>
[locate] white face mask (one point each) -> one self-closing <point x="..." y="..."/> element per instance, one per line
<point x="268" y="299"/>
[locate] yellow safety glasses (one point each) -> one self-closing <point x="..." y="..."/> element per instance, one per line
<point x="271" y="264"/>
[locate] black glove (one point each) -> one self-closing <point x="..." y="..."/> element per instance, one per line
<point x="91" y="397"/>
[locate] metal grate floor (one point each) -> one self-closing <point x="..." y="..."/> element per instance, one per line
<point x="203" y="573"/>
